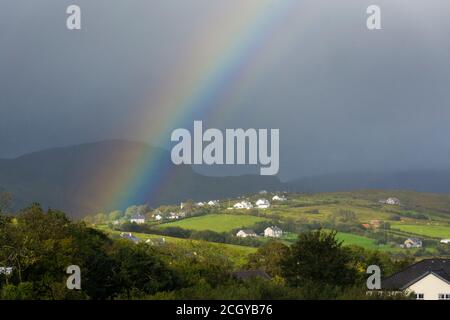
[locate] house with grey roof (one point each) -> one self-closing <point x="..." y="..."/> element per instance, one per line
<point x="138" y="218"/>
<point x="428" y="279"/>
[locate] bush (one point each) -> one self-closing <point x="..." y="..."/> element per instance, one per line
<point x="23" y="291"/>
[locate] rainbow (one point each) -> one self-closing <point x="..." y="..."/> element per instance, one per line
<point x="213" y="69"/>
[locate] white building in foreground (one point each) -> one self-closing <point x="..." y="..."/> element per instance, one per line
<point x="428" y="279"/>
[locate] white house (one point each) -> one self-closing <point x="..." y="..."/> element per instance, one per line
<point x="138" y="218"/>
<point x="158" y="217"/>
<point x="273" y="232"/>
<point x="243" y="205"/>
<point x="246" y="233"/>
<point x="213" y="203"/>
<point x="412" y="243"/>
<point x="445" y="241"/>
<point x="262" y="204"/>
<point x="200" y="204"/>
<point x="391" y="201"/>
<point x="428" y="279"/>
<point x="279" y="198"/>
<point x="238" y="205"/>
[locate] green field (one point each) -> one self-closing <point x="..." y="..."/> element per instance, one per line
<point x="353" y="239"/>
<point x="215" y="222"/>
<point x="357" y="240"/>
<point x="425" y="230"/>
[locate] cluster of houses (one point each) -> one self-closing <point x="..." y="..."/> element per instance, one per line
<point x="211" y="203"/>
<point x="157" y="216"/>
<point x="259" y="204"/>
<point x="244" y="204"/>
<point x="272" y="232"/>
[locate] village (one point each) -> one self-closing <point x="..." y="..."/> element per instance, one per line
<point x="382" y="224"/>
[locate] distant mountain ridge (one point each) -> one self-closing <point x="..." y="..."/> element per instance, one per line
<point x="79" y="179"/>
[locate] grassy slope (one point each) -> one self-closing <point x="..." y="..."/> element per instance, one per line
<point x="368" y="243"/>
<point x="215" y="222"/>
<point x="433" y="231"/>
<point x="237" y="254"/>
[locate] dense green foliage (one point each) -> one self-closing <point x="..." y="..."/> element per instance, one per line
<point x="41" y="245"/>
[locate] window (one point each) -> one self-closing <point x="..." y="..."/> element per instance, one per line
<point x="444" y="296"/>
<point x="419" y="296"/>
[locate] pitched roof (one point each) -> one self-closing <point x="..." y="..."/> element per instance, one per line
<point x="403" y="279"/>
<point x="274" y="228"/>
<point x="137" y="216"/>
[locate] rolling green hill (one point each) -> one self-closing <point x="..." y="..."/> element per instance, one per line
<point x="238" y="254"/>
<point x="359" y="218"/>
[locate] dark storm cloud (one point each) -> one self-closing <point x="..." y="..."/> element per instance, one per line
<point x="343" y="97"/>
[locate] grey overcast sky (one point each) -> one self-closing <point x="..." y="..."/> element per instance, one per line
<point x="344" y="98"/>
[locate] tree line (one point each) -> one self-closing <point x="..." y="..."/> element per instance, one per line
<point x="40" y="244"/>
